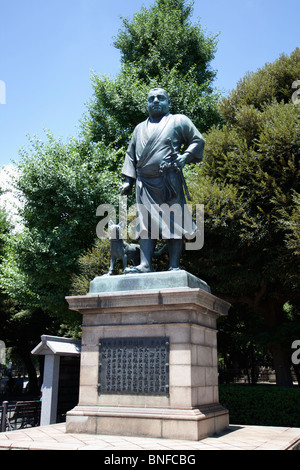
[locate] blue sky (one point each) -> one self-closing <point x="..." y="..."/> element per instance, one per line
<point x="49" y="49"/>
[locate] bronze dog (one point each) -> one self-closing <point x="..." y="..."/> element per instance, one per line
<point x="119" y="249"/>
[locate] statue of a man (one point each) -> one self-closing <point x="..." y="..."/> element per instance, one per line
<point x="154" y="161"/>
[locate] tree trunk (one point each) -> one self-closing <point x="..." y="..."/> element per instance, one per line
<point x="281" y="365"/>
<point x="25" y="353"/>
<point x="272" y="310"/>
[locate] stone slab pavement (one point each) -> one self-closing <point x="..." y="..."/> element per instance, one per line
<point x="54" y="437"/>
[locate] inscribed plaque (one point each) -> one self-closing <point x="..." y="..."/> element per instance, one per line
<point x="134" y="366"/>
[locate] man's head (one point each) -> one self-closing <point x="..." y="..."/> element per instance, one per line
<point x="158" y="103"/>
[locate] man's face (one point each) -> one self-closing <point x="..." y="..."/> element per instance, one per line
<point x="158" y="103"/>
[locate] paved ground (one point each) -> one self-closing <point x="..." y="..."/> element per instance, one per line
<point x="54" y="437"/>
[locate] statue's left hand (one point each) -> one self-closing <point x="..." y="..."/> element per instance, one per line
<point x="181" y="160"/>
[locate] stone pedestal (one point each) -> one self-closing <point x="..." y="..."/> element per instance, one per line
<point x="185" y="315"/>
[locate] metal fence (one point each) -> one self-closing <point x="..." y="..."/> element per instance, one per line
<point x="19" y="415"/>
<point x="6" y="411"/>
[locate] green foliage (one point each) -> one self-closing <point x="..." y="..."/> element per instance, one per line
<point x="64" y="182"/>
<point x="20" y="327"/>
<point x="117" y="107"/>
<point x="249" y="182"/>
<point x="272" y="82"/>
<point x="162" y="38"/>
<point x="291" y="222"/>
<point x="261" y="405"/>
<point x="14" y="282"/>
<point x="242" y="341"/>
<point x="62" y="186"/>
<point x="5" y="227"/>
<point x="94" y="262"/>
<point x="159" y="47"/>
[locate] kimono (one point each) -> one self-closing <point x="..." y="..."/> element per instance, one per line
<point x="150" y="160"/>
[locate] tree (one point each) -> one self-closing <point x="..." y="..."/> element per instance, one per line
<point x="62" y="185"/>
<point x="5" y="230"/>
<point x="94" y="262"/>
<point x="159" y="47"/>
<point x="241" y="344"/>
<point x="19" y="328"/>
<point x="163" y="38"/>
<point x="249" y="183"/>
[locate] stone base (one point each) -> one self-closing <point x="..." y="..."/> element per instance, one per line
<point x="192" y="424"/>
<point x="186" y="316"/>
<point x="146" y="282"/>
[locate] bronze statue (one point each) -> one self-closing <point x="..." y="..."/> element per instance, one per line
<point x="153" y="161"/>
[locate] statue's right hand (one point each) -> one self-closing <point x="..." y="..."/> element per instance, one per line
<point x="126" y="189"/>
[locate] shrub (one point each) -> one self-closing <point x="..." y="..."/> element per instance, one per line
<point x="261" y="405"/>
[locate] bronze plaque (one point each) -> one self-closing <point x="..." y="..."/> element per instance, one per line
<point x="134" y="366"/>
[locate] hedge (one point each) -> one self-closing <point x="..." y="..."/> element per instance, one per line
<point x="262" y="405"/>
